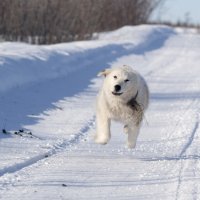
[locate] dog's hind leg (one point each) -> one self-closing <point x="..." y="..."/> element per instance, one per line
<point x="133" y="132"/>
<point x="102" y="129"/>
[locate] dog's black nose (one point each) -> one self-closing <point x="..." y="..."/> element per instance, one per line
<point x="117" y="88"/>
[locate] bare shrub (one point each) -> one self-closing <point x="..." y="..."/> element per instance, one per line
<point x="54" y="21"/>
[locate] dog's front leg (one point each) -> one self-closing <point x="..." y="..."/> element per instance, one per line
<point x="102" y="129"/>
<point x="133" y="132"/>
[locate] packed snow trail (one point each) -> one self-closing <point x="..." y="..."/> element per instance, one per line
<point x="41" y="86"/>
<point x="165" y="163"/>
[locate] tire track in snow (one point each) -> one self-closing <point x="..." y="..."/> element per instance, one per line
<point x="186" y="147"/>
<point x="184" y="150"/>
<point x="58" y="147"/>
<point x="191" y="138"/>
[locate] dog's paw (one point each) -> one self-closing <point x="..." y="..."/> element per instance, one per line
<point x="131" y="145"/>
<point x="101" y="140"/>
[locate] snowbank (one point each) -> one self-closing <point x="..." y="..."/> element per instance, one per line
<point x="22" y="63"/>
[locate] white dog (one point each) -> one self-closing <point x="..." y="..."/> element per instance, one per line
<point x="124" y="97"/>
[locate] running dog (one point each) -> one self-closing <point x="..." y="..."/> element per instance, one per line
<point x="124" y="97"/>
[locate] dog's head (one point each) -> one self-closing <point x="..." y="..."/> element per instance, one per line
<point x="120" y="82"/>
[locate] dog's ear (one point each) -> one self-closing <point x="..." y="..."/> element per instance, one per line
<point x="104" y="73"/>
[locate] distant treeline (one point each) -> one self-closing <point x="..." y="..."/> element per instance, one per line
<point x="54" y="21"/>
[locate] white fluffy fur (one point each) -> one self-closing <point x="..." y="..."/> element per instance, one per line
<point x="115" y="107"/>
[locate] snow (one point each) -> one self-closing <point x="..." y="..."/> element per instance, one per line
<point x="50" y="90"/>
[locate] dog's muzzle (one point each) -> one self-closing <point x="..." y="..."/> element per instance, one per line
<point x="116" y="91"/>
<point x="117" y="88"/>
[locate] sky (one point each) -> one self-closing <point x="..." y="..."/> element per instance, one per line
<point x="178" y="10"/>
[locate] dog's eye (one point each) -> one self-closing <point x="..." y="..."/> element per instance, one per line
<point x="115" y="77"/>
<point x="126" y="80"/>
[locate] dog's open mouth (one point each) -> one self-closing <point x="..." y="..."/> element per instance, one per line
<point x="116" y="93"/>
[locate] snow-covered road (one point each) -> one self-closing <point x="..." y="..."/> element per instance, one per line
<point x="62" y="161"/>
